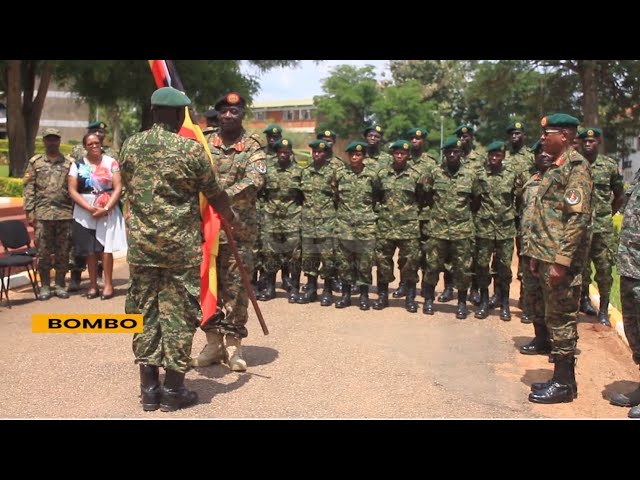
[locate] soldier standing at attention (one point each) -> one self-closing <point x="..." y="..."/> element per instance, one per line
<point x="163" y="174"/>
<point x="329" y="137"/>
<point x="607" y="198"/>
<point x="49" y="210"/>
<point x="629" y="268"/>
<point x="375" y="156"/>
<point x="239" y="160"/>
<point x="558" y="246"/>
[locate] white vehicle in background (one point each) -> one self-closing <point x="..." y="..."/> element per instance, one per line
<point x="3" y="121"/>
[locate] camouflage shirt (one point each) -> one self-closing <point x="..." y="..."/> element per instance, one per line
<point x="528" y="194"/>
<point x="318" y="208"/>
<point x="356" y="194"/>
<point x="378" y="162"/>
<point x="45" y="188"/>
<point x="561" y="218"/>
<point x="398" y="209"/>
<point x="606" y="180"/>
<point x="281" y="197"/>
<point x="423" y="164"/>
<point x="520" y="161"/>
<point x="629" y="248"/>
<point x="163" y="174"/>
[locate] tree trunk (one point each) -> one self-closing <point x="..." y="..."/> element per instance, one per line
<point x="15" y="120"/>
<point x="587" y="71"/>
<point x="33" y="121"/>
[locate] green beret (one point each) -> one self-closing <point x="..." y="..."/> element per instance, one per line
<point x="590" y="132"/>
<point x="273" y="130"/>
<point x="96" y="125"/>
<point x="51" y="132"/>
<point x="464" y="129"/>
<point x="400" y="145"/>
<point x="356" y="146"/>
<point x="515" y="126"/>
<point x="561" y="120"/>
<point x="451" y="142"/>
<point x="536" y="146"/>
<point x="169" y="97"/>
<point x="375" y="127"/>
<point x="230" y="100"/>
<point x="417" y="132"/>
<point x="496" y="146"/>
<point x="283" y="143"/>
<point x="321" y="144"/>
<point x="326" y="133"/>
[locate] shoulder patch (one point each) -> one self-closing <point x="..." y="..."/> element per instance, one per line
<point x="573" y="197"/>
<point x="261" y="167"/>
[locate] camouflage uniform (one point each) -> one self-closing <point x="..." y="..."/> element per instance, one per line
<point x="240" y="168"/>
<point x="559" y="234"/>
<point x="163" y="174"/>
<point x="47" y="200"/>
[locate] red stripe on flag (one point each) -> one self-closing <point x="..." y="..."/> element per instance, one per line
<point x="160" y="73"/>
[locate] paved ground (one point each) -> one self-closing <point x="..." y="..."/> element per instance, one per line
<point x="317" y="362"/>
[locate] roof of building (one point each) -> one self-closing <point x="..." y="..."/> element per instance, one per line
<point x="305" y="102"/>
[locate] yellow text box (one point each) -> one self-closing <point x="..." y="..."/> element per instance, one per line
<point x="86" y="323"/>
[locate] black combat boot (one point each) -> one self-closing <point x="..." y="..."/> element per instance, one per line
<point x="401" y="291"/>
<point x="383" y="296"/>
<point x="630" y="399"/>
<point x="309" y="291"/>
<point x="294" y="288"/>
<point x="345" y="301"/>
<point x="585" y="304"/>
<point x="286" y="279"/>
<point x="524" y="318"/>
<point x="540" y="345"/>
<point x="410" y="303"/>
<point x="474" y="294"/>
<point x="364" y="297"/>
<point x="505" y="312"/>
<point x="562" y="387"/>
<point x="60" y="289"/>
<point x="447" y="293"/>
<point x="174" y="394"/>
<point x="326" y="298"/>
<point x="45" y="285"/>
<point x="74" y="282"/>
<point x="603" y="311"/>
<point x="494" y="300"/>
<point x="483" y="309"/>
<point x="462" y="311"/>
<point x="149" y="387"/>
<point x="429" y="295"/>
<point x="269" y="291"/>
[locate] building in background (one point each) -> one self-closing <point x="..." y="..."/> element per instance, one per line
<point x="292" y="115"/>
<point x="65" y="111"/>
<point x="631" y="162"/>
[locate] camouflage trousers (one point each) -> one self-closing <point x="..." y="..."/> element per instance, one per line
<point x="316" y="251"/>
<point x="502" y="251"/>
<point x="52" y="238"/>
<point x="258" y="250"/>
<point x="458" y="252"/>
<point x="280" y="249"/>
<point x="603" y="256"/>
<point x="630" y="298"/>
<point x="354" y="261"/>
<point x="169" y="299"/>
<point x="408" y="259"/>
<point x="561" y="305"/>
<point x="532" y="301"/>
<point x="424" y="236"/>
<point x="233" y="298"/>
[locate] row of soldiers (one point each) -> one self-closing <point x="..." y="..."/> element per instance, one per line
<point x="336" y="219"/>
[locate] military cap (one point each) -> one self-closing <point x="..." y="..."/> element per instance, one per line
<point x="326" y="133"/>
<point x="169" y="97"/>
<point x="497" y="146"/>
<point x="417" y="132"/>
<point x="591" y="132"/>
<point x="211" y="113"/>
<point x="536" y="146"/>
<point x="230" y="99"/>
<point x="400" y="145"/>
<point x="283" y="143"/>
<point x="320" y="144"/>
<point x="96" y="125"/>
<point x="273" y="129"/>
<point x="452" y="142"/>
<point x="561" y="120"/>
<point x="356" y="146"/>
<point x="375" y="127"/>
<point x="51" y="131"/>
<point x="515" y="126"/>
<point x="465" y="129"/>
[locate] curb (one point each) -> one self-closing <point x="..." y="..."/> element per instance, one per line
<point x="615" y="317"/>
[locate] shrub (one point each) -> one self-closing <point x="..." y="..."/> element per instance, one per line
<point x="10" y="187"/>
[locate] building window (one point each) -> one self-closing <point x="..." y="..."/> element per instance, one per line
<point x="305" y="114"/>
<point x="626" y="164"/>
<point x="290" y="115"/>
<point x="261" y="116"/>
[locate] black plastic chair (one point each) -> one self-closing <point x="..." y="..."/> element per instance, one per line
<point x="18" y="252"/>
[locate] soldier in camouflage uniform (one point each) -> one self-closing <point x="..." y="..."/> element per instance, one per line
<point x="532" y="300"/>
<point x="211" y="117"/>
<point x="280" y="230"/>
<point x="77" y="263"/>
<point x="453" y="194"/>
<point x="329" y="136"/>
<point x="355" y="228"/>
<point x="398" y="226"/>
<point x="559" y="236"/>
<point x="375" y="155"/>
<point x="49" y="209"/>
<point x="317" y="224"/>
<point x="163" y="174"/>
<point x="629" y="268"/>
<point x="607" y="198"/>
<point x="239" y="160"/>
<point x="495" y="228"/>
